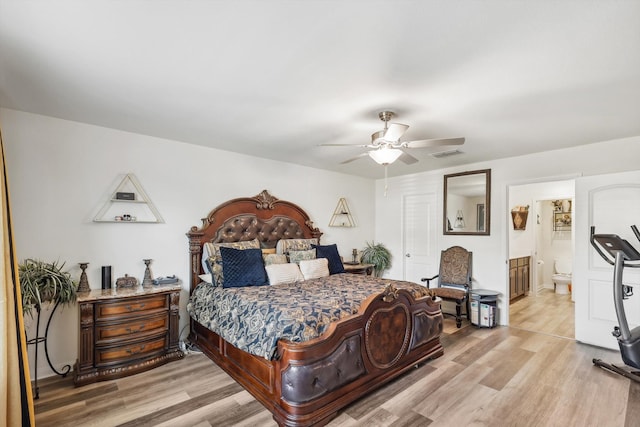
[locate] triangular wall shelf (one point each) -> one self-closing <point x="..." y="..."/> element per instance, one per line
<point x="129" y="203"/>
<point x="342" y="215"/>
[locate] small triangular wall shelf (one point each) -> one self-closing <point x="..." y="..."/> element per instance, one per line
<point x="129" y="204"/>
<point x="342" y="215"/>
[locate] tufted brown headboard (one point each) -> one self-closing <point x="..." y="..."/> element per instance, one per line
<point x="261" y="216"/>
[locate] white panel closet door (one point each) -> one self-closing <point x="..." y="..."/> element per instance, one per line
<point x="419" y="236"/>
<point x="611" y="203"/>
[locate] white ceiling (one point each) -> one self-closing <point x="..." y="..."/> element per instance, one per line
<point x="275" y="78"/>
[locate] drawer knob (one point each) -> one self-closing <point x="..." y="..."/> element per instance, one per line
<point x="138" y="329"/>
<point x="139" y="350"/>
<point x="137" y="308"/>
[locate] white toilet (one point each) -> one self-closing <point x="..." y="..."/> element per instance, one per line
<point x="562" y="276"/>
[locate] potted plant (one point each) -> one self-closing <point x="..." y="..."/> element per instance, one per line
<point x="44" y="282"/>
<point x="378" y="255"/>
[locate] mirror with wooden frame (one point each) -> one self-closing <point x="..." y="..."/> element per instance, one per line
<point x="467" y="203"/>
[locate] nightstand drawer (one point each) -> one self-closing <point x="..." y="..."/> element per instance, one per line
<point x="132" y="329"/>
<point x="138" y="306"/>
<point x="130" y="351"/>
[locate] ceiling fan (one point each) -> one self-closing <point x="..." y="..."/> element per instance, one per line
<point x="386" y="146"/>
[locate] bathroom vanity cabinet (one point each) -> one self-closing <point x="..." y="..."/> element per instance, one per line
<point x="519" y="277"/>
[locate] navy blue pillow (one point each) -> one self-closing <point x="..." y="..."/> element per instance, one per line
<point x="242" y="267"/>
<point x="330" y="252"/>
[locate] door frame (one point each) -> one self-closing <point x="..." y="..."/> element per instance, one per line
<point x="504" y="315"/>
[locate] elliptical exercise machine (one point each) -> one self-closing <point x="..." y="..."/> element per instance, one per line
<point x="620" y="254"/>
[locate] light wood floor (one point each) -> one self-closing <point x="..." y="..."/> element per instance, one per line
<point x="546" y="312"/>
<point x="503" y="376"/>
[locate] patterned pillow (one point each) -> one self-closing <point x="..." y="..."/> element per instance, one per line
<point x="330" y="252"/>
<point x="283" y="273"/>
<point x="215" y="260"/>
<point x="207" y="253"/>
<point x="285" y="245"/>
<point x="242" y="267"/>
<point x="274" y="259"/>
<point x="314" y="268"/>
<point x="297" y="256"/>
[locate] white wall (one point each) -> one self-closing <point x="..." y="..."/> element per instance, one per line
<point x="490" y="252"/>
<point x="62" y="172"/>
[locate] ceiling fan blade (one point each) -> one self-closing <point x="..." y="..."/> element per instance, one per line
<point x="439" y="142"/>
<point x="359" y="156"/>
<point x="346" y="145"/>
<point x="407" y="158"/>
<point x="395" y="131"/>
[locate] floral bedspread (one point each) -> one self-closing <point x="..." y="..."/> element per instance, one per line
<point x="254" y="318"/>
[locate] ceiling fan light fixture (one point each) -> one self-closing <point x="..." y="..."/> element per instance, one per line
<point x="385" y="155"/>
<point x="387" y="147"/>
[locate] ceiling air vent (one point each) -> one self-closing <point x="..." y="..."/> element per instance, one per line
<point x="448" y="153"/>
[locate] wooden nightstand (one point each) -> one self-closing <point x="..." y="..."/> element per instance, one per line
<point x="359" y="268"/>
<point x="125" y="331"/>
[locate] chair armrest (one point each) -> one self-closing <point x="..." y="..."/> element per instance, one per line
<point x="429" y="279"/>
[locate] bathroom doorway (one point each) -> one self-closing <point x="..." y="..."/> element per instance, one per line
<point x="545" y="242"/>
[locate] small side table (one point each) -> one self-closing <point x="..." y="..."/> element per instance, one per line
<point x="366" y="269"/>
<point x="484" y="310"/>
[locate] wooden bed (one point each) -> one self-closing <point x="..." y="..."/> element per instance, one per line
<point x="308" y="383"/>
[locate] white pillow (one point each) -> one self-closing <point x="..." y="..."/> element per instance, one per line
<point x="283" y="273"/>
<point x="206" y="278"/>
<point x="314" y="268"/>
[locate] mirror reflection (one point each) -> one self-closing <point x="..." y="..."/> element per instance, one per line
<point x="467" y="202"/>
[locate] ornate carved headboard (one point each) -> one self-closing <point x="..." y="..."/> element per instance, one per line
<point x="262" y="216"/>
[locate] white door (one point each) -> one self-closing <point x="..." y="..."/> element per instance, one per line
<point x="611" y="203"/>
<point x="419" y="236"/>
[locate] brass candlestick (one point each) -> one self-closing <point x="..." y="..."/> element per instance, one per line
<point x="83" y="286"/>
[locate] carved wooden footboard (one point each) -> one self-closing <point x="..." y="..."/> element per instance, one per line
<point x="309" y="382"/>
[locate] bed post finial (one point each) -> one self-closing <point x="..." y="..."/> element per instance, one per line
<point x="265" y="200"/>
<point x="390" y="293"/>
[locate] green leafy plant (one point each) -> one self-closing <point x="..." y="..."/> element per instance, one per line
<point x="378" y="255"/>
<point x="44" y="282"/>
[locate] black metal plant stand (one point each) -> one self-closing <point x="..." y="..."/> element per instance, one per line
<point x="37" y="340"/>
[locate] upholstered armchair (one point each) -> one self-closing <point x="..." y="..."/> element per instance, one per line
<point x="454" y="279"/>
